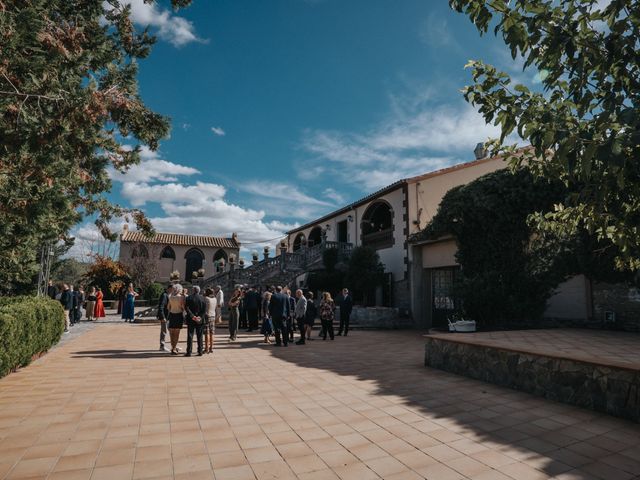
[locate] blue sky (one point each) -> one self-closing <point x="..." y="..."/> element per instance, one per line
<point x="284" y="110"/>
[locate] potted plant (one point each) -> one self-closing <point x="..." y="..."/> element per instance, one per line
<point x="175" y="276"/>
<point x="201" y="272"/>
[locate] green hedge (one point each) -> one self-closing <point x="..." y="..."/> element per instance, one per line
<point x="153" y="291"/>
<point x="28" y="326"/>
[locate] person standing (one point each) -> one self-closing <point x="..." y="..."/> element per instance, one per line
<point x="128" y="307"/>
<point x="234" y="314"/>
<point x="176" y="316"/>
<point x="99" y="308"/>
<point x="90" y="306"/>
<point x="300" y="312"/>
<point x="346" y="306"/>
<point x="327" y="315"/>
<point x="267" y="324"/>
<point x="279" y="311"/>
<point x="310" y="316"/>
<point x="74" y="305"/>
<point x="219" y="303"/>
<point x="52" y="291"/>
<point x="209" y="324"/>
<point x="196" y="308"/>
<point x="163" y="314"/>
<point x="66" y="299"/>
<point x="80" y="298"/>
<point x="252" y="305"/>
<point x="242" y="309"/>
<point x="291" y="320"/>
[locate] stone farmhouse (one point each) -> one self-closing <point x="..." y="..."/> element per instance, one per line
<point x="176" y="252"/>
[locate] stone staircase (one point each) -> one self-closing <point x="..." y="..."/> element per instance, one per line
<point x="282" y="269"/>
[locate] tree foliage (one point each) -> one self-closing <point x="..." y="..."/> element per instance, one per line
<point x="502" y="278"/>
<point x="584" y="125"/>
<point x="364" y="273"/>
<point x="108" y="274"/>
<point x="68" y="270"/>
<point x="508" y="269"/>
<point x="68" y="98"/>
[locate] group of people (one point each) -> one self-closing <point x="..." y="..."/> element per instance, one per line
<point x="75" y="301"/>
<point x="281" y="313"/>
<point x="178" y="306"/>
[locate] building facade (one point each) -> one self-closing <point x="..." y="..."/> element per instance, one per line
<point x="176" y="252"/>
<point x="420" y="275"/>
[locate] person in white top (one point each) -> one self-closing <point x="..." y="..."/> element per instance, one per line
<point x="209" y="320"/>
<point x="219" y="302"/>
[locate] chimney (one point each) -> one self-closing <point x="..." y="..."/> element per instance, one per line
<point x="125" y="227"/>
<point x="480" y="151"/>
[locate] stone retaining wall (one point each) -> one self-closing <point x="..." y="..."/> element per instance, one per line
<point x="608" y="389"/>
<point x="377" y="317"/>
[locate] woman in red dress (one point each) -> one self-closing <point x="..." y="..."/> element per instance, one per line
<point x="99" y="310"/>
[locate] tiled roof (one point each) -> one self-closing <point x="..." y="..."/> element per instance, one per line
<point x="179" y="239"/>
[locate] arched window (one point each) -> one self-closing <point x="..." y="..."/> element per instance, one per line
<point x="167" y="252"/>
<point x="298" y="242"/>
<point x="139" y="250"/>
<point x="219" y="255"/>
<point x="377" y="225"/>
<point x="194" y="258"/>
<point x="315" y="236"/>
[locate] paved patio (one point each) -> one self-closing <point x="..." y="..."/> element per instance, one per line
<point x="108" y="405"/>
<point x="604" y="347"/>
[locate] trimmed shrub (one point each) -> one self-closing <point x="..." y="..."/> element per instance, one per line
<point x="152" y="292"/>
<point x="28" y="326"/>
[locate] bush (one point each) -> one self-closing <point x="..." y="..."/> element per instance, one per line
<point x="152" y="292"/>
<point x="28" y="326"/>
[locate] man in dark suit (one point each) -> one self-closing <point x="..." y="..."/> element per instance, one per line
<point x="279" y="310"/>
<point x="252" y="305"/>
<point x="52" y="291"/>
<point x="196" y="307"/>
<point x="66" y="299"/>
<point x="163" y="314"/>
<point x="346" y="305"/>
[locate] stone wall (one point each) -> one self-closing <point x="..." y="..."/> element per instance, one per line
<point x="377" y="317"/>
<point x="402" y="295"/>
<point x="611" y="390"/>
<point x="619" y="299"/>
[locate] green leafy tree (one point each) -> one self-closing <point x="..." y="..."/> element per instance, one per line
<point x="584" y="124"/>
<point x="365" y="272"/>
<point x="69" y="270"/>
<point x="503" y="277"/>
<point x="68" y="96"/>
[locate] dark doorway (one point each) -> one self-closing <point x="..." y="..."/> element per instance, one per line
<point x="298" y="242"/>
<point x="315" y="236"/>
<point x="194" y="259"/>
<point x="342" y="232"/>
<point x="443" y="300"/>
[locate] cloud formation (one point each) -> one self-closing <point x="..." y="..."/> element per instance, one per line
<point x="174" y="29"/>
<point x="416" y="138"/>
<point x="218" y="131"/>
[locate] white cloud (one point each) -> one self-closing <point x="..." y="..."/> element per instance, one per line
<point x="141" y="193"/>
<point x="174" y="29"/>
<point x="218" y="131"/>
<point x="280" y="191"/>
<point x="435" y="33"/>
<point x="151" y="168"/>
<point x="332" y="194"/>
<point x="418" y="137"/>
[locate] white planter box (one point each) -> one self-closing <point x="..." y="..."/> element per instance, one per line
<point x="462" y="326"/>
